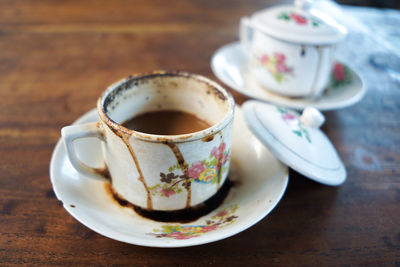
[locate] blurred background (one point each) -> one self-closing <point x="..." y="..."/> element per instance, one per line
<point x="372" y="3"/>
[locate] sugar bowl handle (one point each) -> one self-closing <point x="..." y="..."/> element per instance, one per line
<point x="245" y="32"/>
<point x="302" y="4"/>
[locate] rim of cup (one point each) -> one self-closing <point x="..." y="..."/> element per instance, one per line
<point x="217" y="89"/>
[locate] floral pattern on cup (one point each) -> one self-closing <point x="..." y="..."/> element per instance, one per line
<point x="206" y="171"/>
<point x="181" y="232"/>
<point x="299" y="19"/>
<point x="276" y="66"/>
<point x="294" y="123"/>
<point x="341" y="75"/>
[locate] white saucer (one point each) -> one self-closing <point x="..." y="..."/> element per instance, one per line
<point x="229" y="64"/>
<point x="261" y="181"/>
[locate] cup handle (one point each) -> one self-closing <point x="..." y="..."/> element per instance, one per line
<point x="245" y="29"/>
<point x="74" y="132"/>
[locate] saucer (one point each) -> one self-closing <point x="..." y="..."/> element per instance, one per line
<point x="259" y="183"/>
<point x="229" y="64"/>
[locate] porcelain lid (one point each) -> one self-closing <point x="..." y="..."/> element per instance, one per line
<point x="299" y="23"/>
<point x="296" y="140"/>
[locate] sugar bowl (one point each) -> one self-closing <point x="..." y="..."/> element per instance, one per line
<point x="291" y="48"/>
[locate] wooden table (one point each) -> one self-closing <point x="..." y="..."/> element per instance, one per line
<point x="56" y="57"/>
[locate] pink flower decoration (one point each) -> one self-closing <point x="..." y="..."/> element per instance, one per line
<point x="196" y="169"/>
<point x="218" y="151"/>
<point x="215" y="152"/>
<point x="264" y="59"/>
<point x="289" y="119"/>
<point x="178" y="235"/>
<point x="208" y="228"/>
<point x="222" y="147"/>
<point x="280" y="58"/>
<point x="298" y="18"/>
<point x="222" y="213"/>
<point x="167" y="192"/>
<point x="339" y="73"/>
<point x="282" y="68"/>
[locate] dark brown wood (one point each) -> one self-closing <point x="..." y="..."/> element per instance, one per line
<point x="56" y="57"/>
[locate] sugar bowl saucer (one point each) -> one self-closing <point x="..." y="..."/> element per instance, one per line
<point x="229" y="64"/>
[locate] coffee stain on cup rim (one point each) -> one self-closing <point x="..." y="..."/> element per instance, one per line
<point x="213" y="88"/>
<point x="208" y="138"/>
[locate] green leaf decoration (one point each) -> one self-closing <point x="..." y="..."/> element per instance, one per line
<point x="213" y="162"/>
<point x="154" y="187"/>
<point x="282" y="110"/>
<point x="279" y="77"/>
<point x="167" y="229"/>
<point x="307" y="135"/>
<point x="298" y="133"/>
<point x="284" y="16"/>
<point x="234" y="208"/>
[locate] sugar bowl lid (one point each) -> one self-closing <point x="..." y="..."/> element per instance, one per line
<point x="298" y="23"/>
<point x="296" y="140"/>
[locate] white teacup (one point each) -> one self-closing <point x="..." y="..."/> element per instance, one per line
<point x="160" y="172"/>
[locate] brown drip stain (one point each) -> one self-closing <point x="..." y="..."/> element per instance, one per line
<point x="208" y="138"/>
<point x="177" y="216"/>
<point x="219" y="165"/>
<point x="125" y="139"/>
<point x="219" y="174"/>
<point x="103" y="172"/>
<point x="181" y="161"/>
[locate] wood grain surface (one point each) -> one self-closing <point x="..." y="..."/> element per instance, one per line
<point x="56" y="57"/>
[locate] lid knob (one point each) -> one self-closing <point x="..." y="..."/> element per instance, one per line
<point x="312" y="117"/>
<point x="302" y="4"/>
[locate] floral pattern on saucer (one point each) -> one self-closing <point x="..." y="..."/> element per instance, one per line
<point x="277" y="66"/>
<point x="294" y="123"/>
<point x="181" y="232"/>
<point x="206" y="171"/>
<point x="341" y="75"/>
<point x="299" y="19"/>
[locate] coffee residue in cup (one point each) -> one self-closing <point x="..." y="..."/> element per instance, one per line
<point x="166" y="122"/>
<point x="177" y="216"/>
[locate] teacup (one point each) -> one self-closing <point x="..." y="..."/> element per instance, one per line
<point x="291" y="48"/>
<point x="160" y="172"/>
